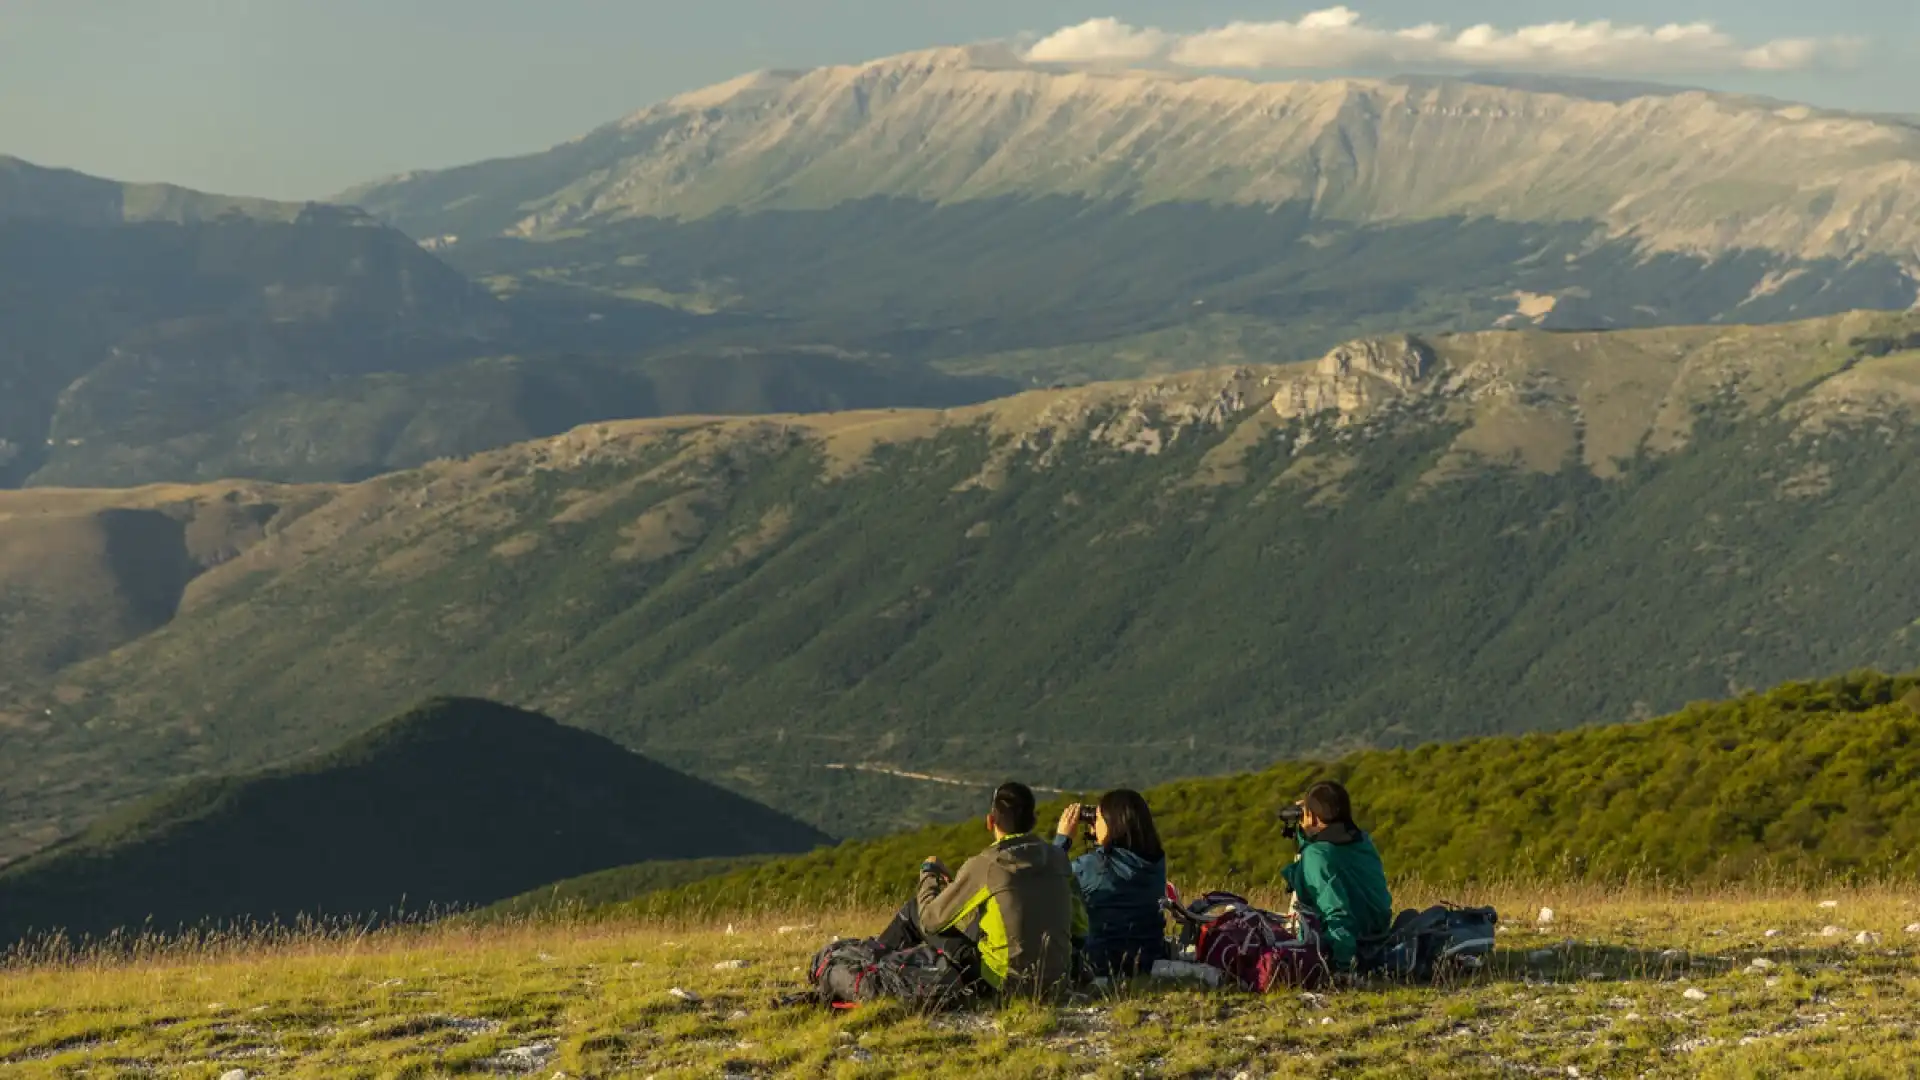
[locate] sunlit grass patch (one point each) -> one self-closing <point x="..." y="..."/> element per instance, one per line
<point x="1602" y="990"/>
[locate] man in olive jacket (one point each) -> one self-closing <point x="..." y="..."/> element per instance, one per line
<point x="1339" y="877"/>
<point x="1013" y="911"/>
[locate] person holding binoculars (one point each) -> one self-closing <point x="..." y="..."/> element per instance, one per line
<point x="1337" y="877"/>
<point x="1122" y="879"/>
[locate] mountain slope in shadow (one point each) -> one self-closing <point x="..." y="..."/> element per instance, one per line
<point x="457" y="803"/>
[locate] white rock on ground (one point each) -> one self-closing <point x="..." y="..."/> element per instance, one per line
<point x="1763" y="963"/>
<point x="1914" y="929"/>
<point x="1773" y="933"/>
<point x="1694" y="993"/>
<point x="732" y="965"/>
<point x="1831" y="931"/>
<point x="1829" y="904"/>
<point x="234" y="1074"/>
<point x="687" y="996"/>
<point x="1546" y="916"/>
<point x="1866" y="937"/>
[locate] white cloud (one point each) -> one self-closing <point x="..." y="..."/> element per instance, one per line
<point x="1100" y="41"/>
<point x="1339" y="37"/>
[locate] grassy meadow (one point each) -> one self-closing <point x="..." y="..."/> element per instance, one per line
<point x="1739" y="982"/>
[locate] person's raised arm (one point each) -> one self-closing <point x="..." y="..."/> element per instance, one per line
<point x="943" y="904"/>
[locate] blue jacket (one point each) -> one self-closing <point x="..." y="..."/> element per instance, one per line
<point x="1122" y="892"/>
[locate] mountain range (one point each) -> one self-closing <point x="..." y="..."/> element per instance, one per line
<point x="955" y="203"/>
<point x="156" y="334"/>
<point x="930" y="229"/>
<point x="855" y="616"/>
<point x="453" y="804"/>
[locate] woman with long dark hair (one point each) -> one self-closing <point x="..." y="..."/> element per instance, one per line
<point x="1122" y="878"/>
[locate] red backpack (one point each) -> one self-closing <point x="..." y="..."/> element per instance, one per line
<point x="1258" y="948"/>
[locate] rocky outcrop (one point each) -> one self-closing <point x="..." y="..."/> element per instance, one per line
<point x="1357" y="377"/>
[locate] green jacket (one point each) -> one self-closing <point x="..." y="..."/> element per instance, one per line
<point x="1338" y="876"/>
<point x="1018" y="902"/>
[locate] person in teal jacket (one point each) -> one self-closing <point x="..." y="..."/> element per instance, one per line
<point x="1338" y="877"/>
<point x="1122" y="879"/>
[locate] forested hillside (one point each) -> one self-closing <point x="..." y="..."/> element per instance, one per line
<point x="1808" y="782"/>
<point x="1411" y="540"/>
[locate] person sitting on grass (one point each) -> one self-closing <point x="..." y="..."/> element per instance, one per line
<point x="1338" y="879"/>
<point x="1122" y="879"/>
<point x="1011" y="914"/>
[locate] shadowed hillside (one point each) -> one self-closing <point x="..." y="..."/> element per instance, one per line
<point x="457" y="803"/>
<point x="159" y="335"/>
<point x="84" y="572"/>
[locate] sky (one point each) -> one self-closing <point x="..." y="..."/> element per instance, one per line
<point x="302" y="98"/>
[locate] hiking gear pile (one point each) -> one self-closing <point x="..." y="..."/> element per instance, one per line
<point x="1258" y="949"/>
<point x="1264" y="950"/>
<point x="849" y="973"/>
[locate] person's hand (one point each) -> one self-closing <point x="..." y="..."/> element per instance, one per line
<point x="1069" y="820"/>
<point x="932" y="865"/>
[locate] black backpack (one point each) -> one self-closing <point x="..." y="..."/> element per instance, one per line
<point x="849" y="973"/>
<point x="1438" y="942"/>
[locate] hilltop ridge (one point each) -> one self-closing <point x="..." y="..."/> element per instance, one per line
<point x="36" y="193"/>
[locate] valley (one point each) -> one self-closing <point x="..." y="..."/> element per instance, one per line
<point x="1411" y="539"/>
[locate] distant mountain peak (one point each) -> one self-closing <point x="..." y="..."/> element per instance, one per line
<point x="755" y="85"/>
<point x="1666" y="168"/>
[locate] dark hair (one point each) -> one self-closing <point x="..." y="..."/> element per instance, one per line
<point x="1130" y="824"/>
<point x="1330" y="803"/>
<point x="1013" y="809"/>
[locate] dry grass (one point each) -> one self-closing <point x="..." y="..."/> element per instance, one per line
<point x="1602" y="991"/>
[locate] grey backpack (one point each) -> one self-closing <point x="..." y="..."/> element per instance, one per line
<point x="849" y="973"/>
<point x="1441" y="941"/>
